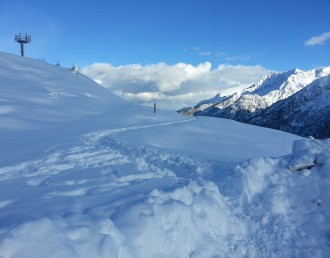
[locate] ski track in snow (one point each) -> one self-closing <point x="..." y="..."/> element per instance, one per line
<point x="96" y="149"/>
<point x="95" y="136"/>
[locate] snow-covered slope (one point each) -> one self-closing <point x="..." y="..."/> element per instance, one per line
<point x="87" y="175"/>
<point x="42" y="105"/>
<point x="251" y="102"/>
<point x="35" y="93"/>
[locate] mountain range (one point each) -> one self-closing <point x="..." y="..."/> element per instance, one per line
<point x="294" y="101"/>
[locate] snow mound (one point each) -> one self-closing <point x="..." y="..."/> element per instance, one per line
<point x="309" y="153"/>
<point x="290" y="208"/>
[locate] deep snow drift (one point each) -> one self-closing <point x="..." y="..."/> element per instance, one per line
<point x="84" y="174"/>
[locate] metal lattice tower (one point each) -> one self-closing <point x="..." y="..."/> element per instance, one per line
<point x="22" y="40"/>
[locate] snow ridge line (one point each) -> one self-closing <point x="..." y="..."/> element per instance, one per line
<point x="96" y="136"/>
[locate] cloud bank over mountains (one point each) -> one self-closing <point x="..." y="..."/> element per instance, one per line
<point x="173" y="86"/>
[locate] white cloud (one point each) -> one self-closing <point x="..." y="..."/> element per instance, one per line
<point x="243" y="57"/>
<point x="318" y="40"/>
<point x="206" y="53"/>
<point x="200" y="52"/>
<point x="173" y="86"/>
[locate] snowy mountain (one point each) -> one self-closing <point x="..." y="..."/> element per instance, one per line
<point x="245" y="106"/>
<point x="85" y="174"/>
<point x="304" y="113"/>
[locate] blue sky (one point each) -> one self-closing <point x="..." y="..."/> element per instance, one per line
<point x="268" y="34"/>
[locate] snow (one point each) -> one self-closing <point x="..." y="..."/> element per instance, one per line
<point x="84" y="174"/>
<point x="309" y="154"/>
<point x="223" y="142"/>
